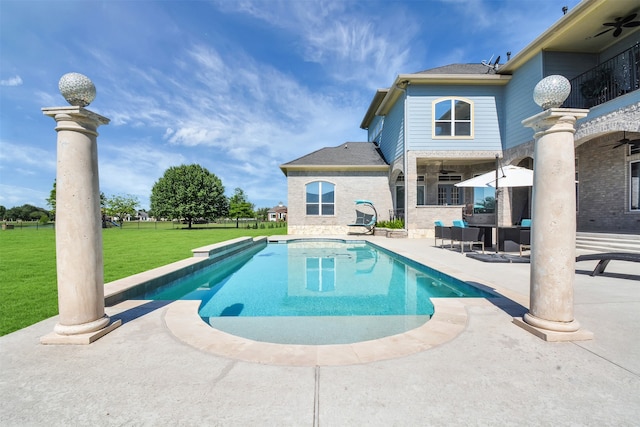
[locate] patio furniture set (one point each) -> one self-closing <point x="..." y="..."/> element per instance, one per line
<point x="463" y="234"/>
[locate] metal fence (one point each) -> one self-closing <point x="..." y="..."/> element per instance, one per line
<point x="154" y="225"/>
<point x="609" y="80"/>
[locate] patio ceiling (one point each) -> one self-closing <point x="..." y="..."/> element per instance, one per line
<point x="581" y="30"/>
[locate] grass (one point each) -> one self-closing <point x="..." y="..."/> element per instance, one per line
<point x="28" y="288"/>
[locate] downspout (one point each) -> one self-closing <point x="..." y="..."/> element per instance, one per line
<point x="403" y="87"/>
<point x="496" y="205"/>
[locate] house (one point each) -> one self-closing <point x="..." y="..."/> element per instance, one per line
<point x="277" y="213"/>
<point x="322" y="187"/>
<point x="435" y="128"/>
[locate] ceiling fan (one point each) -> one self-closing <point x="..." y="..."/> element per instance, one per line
<point x="619" y="24"/>
<point x="625" y="141"/>
<point x="444" y="171"/>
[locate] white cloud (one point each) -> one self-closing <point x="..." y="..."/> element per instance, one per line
<point x="13" y="195"/>
<point x="12" y="81"/>
<point x="28" y="159"/>
<point x="133" y="167"/>
<point x="343" y="36"/>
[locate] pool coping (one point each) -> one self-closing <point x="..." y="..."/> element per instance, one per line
<point x="182" y="320"/>
<point x="449" y="320"/>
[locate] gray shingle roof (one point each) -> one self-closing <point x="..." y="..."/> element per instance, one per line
<point x="459" y="69"/>
<point x="347" y="154"/>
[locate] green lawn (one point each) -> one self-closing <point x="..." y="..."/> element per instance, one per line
<point x="28" y="290"/>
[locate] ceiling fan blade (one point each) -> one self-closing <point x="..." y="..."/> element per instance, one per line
<point x="603" y="32"/>
<point x="625" y="141"/>
<point x="617" y="32"/>
<point x="632" y="24"/>
<point x="629" y="18"/>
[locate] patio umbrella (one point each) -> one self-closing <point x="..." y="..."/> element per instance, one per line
<point x="508" y="176"/>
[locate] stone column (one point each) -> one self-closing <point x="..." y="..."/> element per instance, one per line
<point x="78" y="229"/>
<point x="553" y="230"/>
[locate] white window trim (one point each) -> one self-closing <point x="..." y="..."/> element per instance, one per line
<point x="434" y="119"/>
<point x="320" y="203"/>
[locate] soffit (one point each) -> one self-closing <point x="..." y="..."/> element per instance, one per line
<point x="582" y="30"/>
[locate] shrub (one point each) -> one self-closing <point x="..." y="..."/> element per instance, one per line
<point x="394" y="224"/>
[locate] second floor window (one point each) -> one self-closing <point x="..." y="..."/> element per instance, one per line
<point x="320" y="198"/>
<point x="452" y="117"/>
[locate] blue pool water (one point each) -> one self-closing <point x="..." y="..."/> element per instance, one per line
<point x="316" y="292"/>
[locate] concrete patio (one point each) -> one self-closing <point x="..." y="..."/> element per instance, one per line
<point x="487" y="372"/>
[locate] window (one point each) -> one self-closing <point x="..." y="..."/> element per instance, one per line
<point x="400" y="193"/>
<point x="448" y="193"/>
<point x="420" y="191"/>
<point x="484" y="199"/>
<point x="320" y="198"/>
<point x="634" y="185"/>
<point x="321" y="274"/>
<point x="452" y="117"/>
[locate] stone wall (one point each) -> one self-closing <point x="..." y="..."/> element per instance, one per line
<point x="603" y="188"/>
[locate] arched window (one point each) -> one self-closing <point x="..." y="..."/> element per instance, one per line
<point x="452" y="117"/>
<point x="320" y="198"/>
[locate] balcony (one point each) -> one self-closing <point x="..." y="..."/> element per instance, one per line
<point x="609" y="80"/>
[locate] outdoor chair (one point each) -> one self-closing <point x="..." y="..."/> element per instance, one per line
<point x="462" y="233"/>
<point x="524" y="240"/>
<point x="524" y="236"/>
<point x="442" y="232"/>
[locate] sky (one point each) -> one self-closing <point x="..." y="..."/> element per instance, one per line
<point x="236" y="86"/>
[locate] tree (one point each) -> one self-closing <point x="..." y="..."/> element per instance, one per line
<point x="188" y="192"/>
<point x="121" y="206"/>
<point x="239" y="206"/>
<point x="262" y="214"/>
<point x="51" y="201"/>
<point x="25" y="213"/>
<point x="3" y="212"/>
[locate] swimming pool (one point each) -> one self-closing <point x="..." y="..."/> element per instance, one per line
<point x="315" y="292"/>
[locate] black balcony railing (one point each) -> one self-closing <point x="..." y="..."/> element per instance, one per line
<point x="607" y="81"/>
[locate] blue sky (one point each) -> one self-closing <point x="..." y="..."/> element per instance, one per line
<point x="239" y="87"/>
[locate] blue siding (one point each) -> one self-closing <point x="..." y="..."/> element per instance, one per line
<point x="621" y="46"/>
<point x="392" y="138"/>
<point x="373" y="128"/>
<point x="519" y="103"/>
<point x="613" y="105"/>
<point x="569" y="65"/>
<point x="486" y="102"/>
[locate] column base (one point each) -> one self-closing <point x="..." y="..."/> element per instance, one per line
<point x="554" y="336"/>
<point x="79" y="339"/>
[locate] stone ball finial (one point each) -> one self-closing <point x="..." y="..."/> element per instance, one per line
<point x="551" y="91"/>
<point x="77" y="89"/>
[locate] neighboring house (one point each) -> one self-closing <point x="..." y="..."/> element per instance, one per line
<point x="277" y="213"/>
<point x="441" y="126"/>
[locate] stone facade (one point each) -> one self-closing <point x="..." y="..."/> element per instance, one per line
<point x="349" y="186"/>
<point x="603" y="203"/>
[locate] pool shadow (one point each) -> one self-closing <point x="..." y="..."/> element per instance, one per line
<point x="232" y="310"/>
<point x="505" y="304"/>
<point x="139" y="311"/>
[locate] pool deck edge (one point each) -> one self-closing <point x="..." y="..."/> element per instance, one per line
<point x="449" y="320"/>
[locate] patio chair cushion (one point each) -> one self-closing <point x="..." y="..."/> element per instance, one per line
<point x="439" y="223"/>
<point x="525" y="223"/>
<point x="459" y="223"/>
